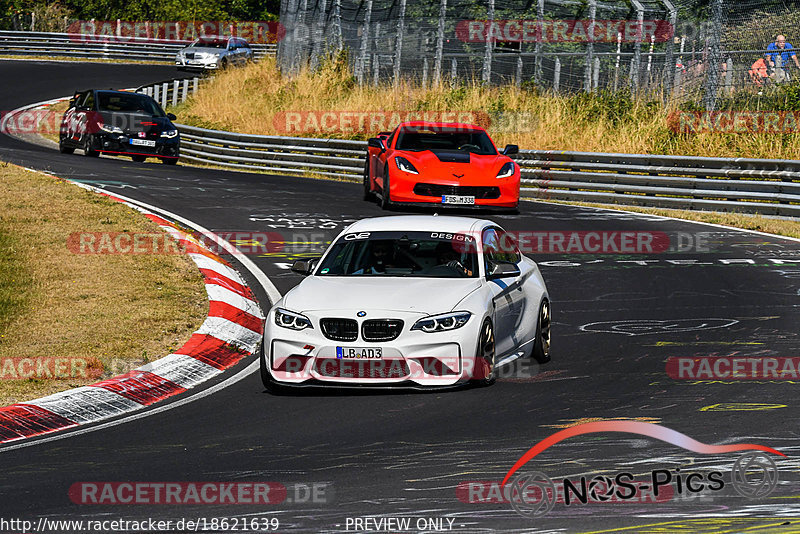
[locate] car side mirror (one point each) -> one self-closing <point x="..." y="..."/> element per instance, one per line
<point x="503" y="270"/>
<point x="510" y="150"/>
<point x="304" y="267"/>
<point x="375" y="142"/>
<point x="171" y="116"/>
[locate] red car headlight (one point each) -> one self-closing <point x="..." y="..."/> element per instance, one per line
<point x="404" y="165"/>
<point x="507" y="170"/>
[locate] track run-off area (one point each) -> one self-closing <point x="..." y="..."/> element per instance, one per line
<point x="620" y="322"/>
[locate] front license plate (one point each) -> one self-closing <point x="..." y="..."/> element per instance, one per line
<point x="458" y="199"/>
<point x="358" y="353"/>
<point x="143" y="142"/>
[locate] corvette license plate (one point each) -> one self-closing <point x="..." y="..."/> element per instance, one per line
<point x="458" y="199"/>
<point x="358" y="353"/>
<point x="143" y="142"/>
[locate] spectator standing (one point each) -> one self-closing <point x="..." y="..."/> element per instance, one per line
<point x="780" y="48"/>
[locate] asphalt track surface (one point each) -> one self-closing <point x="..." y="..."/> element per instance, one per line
<point x="403" y="454"/>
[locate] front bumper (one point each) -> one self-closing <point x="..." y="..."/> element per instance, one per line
<point x="119" y="144"/>
<point x="197" y="64"/>
<point x="503" y="193"/>
<point x="413" y="359"/>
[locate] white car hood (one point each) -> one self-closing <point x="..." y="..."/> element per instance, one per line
<point x="422" y="295"/>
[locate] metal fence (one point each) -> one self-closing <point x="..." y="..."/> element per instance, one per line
<point x="683" y="50"/>
<point x="697" y="183"/>
<point x="80" y="46"/>
<point x="747" y="185"/>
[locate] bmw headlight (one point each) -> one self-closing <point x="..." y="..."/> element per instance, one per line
<point x="442" y="322"/>
<point x="507" y="170"/>
<point x="111" y="129"/>
<point x="404" y="165"/>
<point x="169" y="134"/>
<point x="291" y="320"/>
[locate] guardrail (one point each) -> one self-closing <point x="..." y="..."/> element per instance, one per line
<point x="338" y="158"/>
<point x="719" y="184"/>
<point x="747" y="185"/>
<point x="767" y="186"/>
<point x="96" y="47"/>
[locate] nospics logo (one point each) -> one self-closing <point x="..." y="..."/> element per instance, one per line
<point x="533" y="493"/>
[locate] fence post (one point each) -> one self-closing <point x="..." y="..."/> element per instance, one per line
<point x="557" y="75"/>
<point x="519" y="72"/>
<point x="185" y="90"/>
<point x="713" y="63"/>
<point x="537" y="67"/>
<point x="362" y="61"/>
<point x="729" y="76"/>
<point x="637" y="46"/>
<point x="398" y="47"/>
<point x="318" y="38"/>
<point x="486" y="74"/>
<point x="633" y="74"/>
<point x="175" y="92"/>
<point x="337" y="21"/>
<point x="155" y="93"/>
<point x="596" y="74"/>
<point x="669" y="62"/>
<point x="164" y="90"/>
<point x="616" y="64"/>
<point x="437" y="64"/>
<point x="195" y="83"/>
<point x="33" y="21"/>
<point x="376" y="57"/>
<point x="587" y="73"/>
<point x="424" y="72"/>
<point x="650" y="58"/>
<point x="453" y="71"/>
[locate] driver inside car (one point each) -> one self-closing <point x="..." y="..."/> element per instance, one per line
<point x="446" y="256"/>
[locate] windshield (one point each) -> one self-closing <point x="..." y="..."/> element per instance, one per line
<point x="129" y="103"/>
<point x="210" y="43"/>
<point x="474" y="141"/>
<point x="424" y="254"/>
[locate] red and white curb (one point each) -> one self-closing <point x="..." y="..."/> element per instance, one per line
<point x="232" y="330"/>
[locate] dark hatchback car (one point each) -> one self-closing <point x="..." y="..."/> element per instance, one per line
<point x="119" y="123"/>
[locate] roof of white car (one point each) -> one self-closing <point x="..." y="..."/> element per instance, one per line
<point x="417" y="223"/>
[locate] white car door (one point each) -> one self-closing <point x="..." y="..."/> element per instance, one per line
<point x="500" y="254"/>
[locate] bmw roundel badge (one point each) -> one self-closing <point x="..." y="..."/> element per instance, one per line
<point x="361" y="313"/>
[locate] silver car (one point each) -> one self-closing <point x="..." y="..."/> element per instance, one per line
<point x="210" y="53"/>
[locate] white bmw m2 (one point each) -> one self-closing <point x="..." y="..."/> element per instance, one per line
<point x="408" y="301"/>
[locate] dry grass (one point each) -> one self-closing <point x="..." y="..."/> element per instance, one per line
<point x="119" y="310"/>
<point x="247" y="99"/>
<point x="50" y="130"/>
<point x="786" y="227"/>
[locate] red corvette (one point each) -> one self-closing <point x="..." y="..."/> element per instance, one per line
<point x="448" y="165"/>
